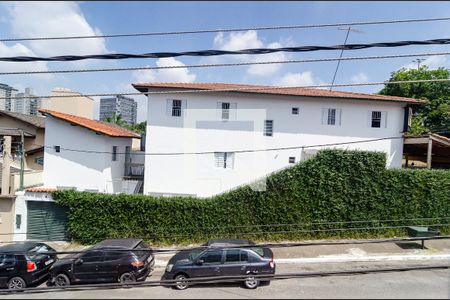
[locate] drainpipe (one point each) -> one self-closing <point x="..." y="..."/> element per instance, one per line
<point x="22" y="158"/>
<point x="6" y="171"/>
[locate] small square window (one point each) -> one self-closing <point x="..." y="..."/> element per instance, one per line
<point x="292" y="160"/>
<point x="268" y="127"/>
<point x="376" y="119"/>
<point x="57" y="149"/>
<point x="295" y="110"/>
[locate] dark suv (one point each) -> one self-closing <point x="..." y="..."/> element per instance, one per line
<point x="25" y="264"/>
<point x="221" y="258"/>
<point x="114" y="260"/>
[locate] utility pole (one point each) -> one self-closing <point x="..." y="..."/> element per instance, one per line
<point x="418" y="60"/>
<point x="22" y="158"/>
<point x="342" y="52"/>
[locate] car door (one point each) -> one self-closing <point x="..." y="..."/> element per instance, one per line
<point x="210" y="266"/>
<point x="235" y="262"/>
<point x="112" y="263"/>
<point x="86" y="268"/>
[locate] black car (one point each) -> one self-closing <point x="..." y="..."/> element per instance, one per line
<point x="113" y="260"/>
<point x="25" y="264"/>
<point x="221" y="258"/>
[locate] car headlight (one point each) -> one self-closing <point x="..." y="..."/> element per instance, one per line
<point x="169" y="267"/>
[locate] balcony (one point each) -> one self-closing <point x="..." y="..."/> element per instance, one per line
<point x="134" y="171"/>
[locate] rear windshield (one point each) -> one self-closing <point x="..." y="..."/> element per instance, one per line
<point x="258" y="250"/>
<point x="38" y="250"/>
<point x="142" y="246"/>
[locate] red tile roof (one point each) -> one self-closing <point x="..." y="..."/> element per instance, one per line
<point x="40" y="190"/>
<point x="308" y="92"/>
<point x="97" y="126"/>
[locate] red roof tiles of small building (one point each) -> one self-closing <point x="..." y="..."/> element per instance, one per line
<point x="97" y="126"/>
<point x="261" y="89"/>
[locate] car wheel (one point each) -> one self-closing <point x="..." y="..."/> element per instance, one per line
<point x="127" y="278"/>
<point x="62" y="280"/>
<point x="251" y="282"/>
<point x="181" y="283"/>
<point x="16" y="283"/>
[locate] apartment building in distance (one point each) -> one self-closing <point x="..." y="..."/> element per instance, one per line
<point x="6" y="92"/>
<point x="67" y="101"/>
<point x="26" y="103"/>
<point x="126" y="107"/>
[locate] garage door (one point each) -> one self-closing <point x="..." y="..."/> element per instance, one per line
<point x="46" y="221"/>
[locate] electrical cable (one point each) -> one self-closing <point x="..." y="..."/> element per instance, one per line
<point x="314" y="60"/>
<point x="212" y="52"/>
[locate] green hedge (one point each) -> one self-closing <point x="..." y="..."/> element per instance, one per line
<point x="334" y="186"/>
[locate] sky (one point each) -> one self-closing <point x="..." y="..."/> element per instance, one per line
<point x="31" y="19"/>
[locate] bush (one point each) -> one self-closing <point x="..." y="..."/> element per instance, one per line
<point x="328" y="196"/>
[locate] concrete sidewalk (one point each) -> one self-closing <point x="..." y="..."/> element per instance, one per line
<point x="399" y="251"/>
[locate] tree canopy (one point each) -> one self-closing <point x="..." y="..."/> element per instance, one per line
<point x="433" y="116"/>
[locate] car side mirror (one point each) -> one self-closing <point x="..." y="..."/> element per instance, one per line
<point x="199" y="262"/>
<point x="78" y="262"/>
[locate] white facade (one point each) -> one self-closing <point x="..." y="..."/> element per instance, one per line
<point x="200" y="128"/>
<point x="96" y="171"/>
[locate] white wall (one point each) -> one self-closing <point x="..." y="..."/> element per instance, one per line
<point x="84" y="171"/>
<point x="201" y="130"/>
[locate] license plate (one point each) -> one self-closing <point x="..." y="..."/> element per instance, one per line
<point x="49" y="262"/>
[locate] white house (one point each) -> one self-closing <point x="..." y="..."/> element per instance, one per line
<point x="87" y="155"/>
<point x="224" y="135"/>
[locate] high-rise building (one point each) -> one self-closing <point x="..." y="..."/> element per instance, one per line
<point x="26" y="103"/>
<point x="126" y="107"/>
<point x="6" y="92"/>
<point x="67" y="101"/>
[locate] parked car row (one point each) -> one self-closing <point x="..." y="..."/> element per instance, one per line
<point x="130" y="260"/>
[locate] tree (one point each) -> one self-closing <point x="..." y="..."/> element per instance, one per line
<point x="116" y="119"/>
<point x="433" y="116"/>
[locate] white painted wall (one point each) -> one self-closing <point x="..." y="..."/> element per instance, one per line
<point x="200" y="129"/>
<point x="84" y="171"/>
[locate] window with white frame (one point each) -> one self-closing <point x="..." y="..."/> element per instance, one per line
<point x="175" y="107"/>
<point x="377" y="119"/>
<point x="268" y="127"/>
<point x="226" y="111"/>
<point x="224" y="160"/>
<point x="331" y="116"/>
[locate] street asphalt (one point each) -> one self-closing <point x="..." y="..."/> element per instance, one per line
<point x="407" y="284"/>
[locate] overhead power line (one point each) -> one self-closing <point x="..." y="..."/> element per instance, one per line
<point x="206" y="53"/>
<point x="314" y="60"/>
<point x="279" y="27"/>
<point x="263" y="88"/>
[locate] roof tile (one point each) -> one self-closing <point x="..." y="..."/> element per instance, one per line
<point x="97" y="126"/>
<point x="294" y="91"/>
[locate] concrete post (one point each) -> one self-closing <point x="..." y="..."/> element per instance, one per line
<point x="6" y="171"/>
<point x="429" y="149"/>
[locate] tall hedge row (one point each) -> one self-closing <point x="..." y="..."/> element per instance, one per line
<point x="335" y="194"/>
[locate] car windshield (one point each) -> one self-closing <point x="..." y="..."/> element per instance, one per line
<point x="194" y="254"/>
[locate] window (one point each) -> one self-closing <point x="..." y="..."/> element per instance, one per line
<point x="295" y="110"/>
<point x="233" y="256"/>
<point x="39" y="160"/>
<point x="114" y="153"/>
<point x="176" y="108"/>
<point x="331" y="116"/>
<point x="114" y="255"/>
<point x="226" y="111"/>
<point x="268" y="127"/>
<point x="7" y="260"/>
<point x="224" y="160"/>
<point x="377" y="119"/>
<point x="212" y="257"/>
<point x="57" y="149"/>
<point x="292" y="160"/>
<point x="93" y="256"/>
